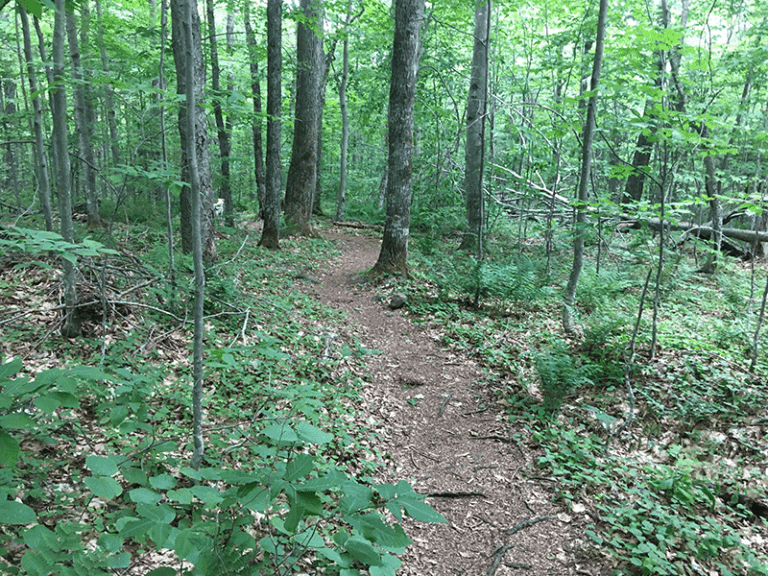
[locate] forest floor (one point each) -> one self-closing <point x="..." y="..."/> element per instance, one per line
<point x="443" y="431"/>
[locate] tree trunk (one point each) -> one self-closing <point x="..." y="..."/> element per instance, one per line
<point x="258" y="147"/>
<point x="178" y="9"/>
<point x="475" y="146"/>
<point x="330" y="56"/>
<point x="70" y="327"/>
<point x="109" y="92"/>
<point x="300" y="185"/>
<point x="393" y="256"/>
<point x="41" y="159"/>
<point x="84" y="115"/>
<point x="225" y="147"/>
<point x="341" y="197"/>
<point x="569" y="297"/>
<point x="270" y="233"/>
<point x="185" y="18"/>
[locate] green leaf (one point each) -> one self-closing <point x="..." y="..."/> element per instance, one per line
<point x="12" y="512"/>
<point x="122" y="560"/>
<point x="312" y="434"/>
<point x="134" y="476"/>
<point x="101" y="465"/>
<point x="182" y="496"/>
<point x="103" y="486"/>
<point x="356" y="496"/>
<point x="162" y="482"/>
<point x="16" y="421"/>
<point x="37" y="563"/>
<point x="134" y="527"/>
<point x="9" y="450"/>
<point x="280" y="433"/>
<point x="110" y="542"/>
<point x="362" y="551"/>
<point x="299" y="467"/>
<point x="145" y="496"/>
<point x="421" y="511"/>
<point x="10" y="368"/>
<point x="209" y="495"/>
<point x="163" y="571"/>
<point x="162" y="514"/>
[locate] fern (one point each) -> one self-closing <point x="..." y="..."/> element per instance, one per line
<point x="560" y="373"/>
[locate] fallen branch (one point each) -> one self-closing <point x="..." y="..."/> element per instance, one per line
<point x="526" y="524"/>
<point x="455" y="495"/>
<point x="498" y="555"/>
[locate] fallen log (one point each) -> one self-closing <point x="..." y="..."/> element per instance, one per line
<point x="705" y="232"/>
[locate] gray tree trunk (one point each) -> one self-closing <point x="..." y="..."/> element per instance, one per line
<point x="302" y="172"/>
<point x="270" y="233"/>
<point x="569" y="298"/>
<point x="187" y="13"/>
<point x="201" y="143"/>
<point x="85" y="117"/>
<point x="341" y="197"/>
<point x="70" y="327"/>
<point x="475" y="146"/>
<point x="258" y="146"/>
<point x="225" y="146"/>
<point x="41" y="159"/>
<point x="109" y="92"/>
<point x="393" y="257"/>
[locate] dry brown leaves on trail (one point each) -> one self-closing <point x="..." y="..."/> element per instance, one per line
<point x="441" y="432"/>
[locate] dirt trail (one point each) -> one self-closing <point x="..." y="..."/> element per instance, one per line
<point x="443" y="441"/>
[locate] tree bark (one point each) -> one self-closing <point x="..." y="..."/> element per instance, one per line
<point x="270" y="233"/>
<point x="84" y="115"/>
<point x="178" y="10"/>
<point x="475" y="146"/>
<point x="70" y="327"/>
<point x="109" y="92"/>
<point x="258" y="147"/>
<point x="341" y="196"/>
<point x="569" y="297"/>
<point x="225" y="147"/>
<point x="187" y="13"/>
<point x="302" y="173"/>
<point x="41" y="159"/>
<point x="393" y="256"/>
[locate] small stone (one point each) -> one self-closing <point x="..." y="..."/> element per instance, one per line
<point x="397" y="301"/>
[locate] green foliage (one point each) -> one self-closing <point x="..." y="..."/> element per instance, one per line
<point x="560" y="373"/>
<point x="37" y="242"/>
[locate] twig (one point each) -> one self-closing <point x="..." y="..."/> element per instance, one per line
<point x="474" y="411"/>
<point x="499" y="554"/>
<point x="440" y="412"/>
<point x="238" y="251"/>
<point x="519" y="565"/>
<point x="526" y="523"/>
<point x="493" y="437"/>
<point x="455" y="495"/>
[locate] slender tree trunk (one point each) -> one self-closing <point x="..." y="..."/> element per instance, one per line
<point x="225" y="147"/>
<point x="302" y="173"/>
<point x="569" y="298"/>
<point x="7" y="111"/>
<point x="178" y="10"/>
<point x="71" y="324"/>
<point x="270" y="233"/>
<point x="84" y="116"/>
<point x="109" y="91"/>
<point x="164" y="144"/>
<point x="329" y="58"/>
<point x="393" y="257"/>
<point x="341" y="197"/>
<point x="187" y="10"/>
<point x="258" y="147"/>
<point x="41" y="159"/>
<point x="475" y="146"/>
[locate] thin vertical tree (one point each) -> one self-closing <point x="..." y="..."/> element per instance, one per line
<point x="40" y="156"/>
<point x="301" y="180"/>
<point x="258" y="146"/>
<point x="85" y="117"/>
<point x="201" y="142"/>
<point x="70" y="327"/>
<point x="477" y="102"/>
<point x="569" y="298"/>
<point x="225" y="146"/>
<point x="270" y="233"/>
<point x="393" y="257"/>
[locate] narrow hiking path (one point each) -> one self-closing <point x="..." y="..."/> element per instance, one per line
<point x="441" y="430"/>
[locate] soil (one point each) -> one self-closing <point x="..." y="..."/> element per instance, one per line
<point x="443" y="431"/>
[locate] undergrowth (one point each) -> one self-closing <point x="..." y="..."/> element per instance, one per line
<point x="95" y="476"/>
<point x="669" y="493"/>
